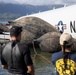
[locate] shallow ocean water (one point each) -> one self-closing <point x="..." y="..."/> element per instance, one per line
<point x="42" y="67"/>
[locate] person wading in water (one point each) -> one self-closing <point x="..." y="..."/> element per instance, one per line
<point x="15" y="56"/>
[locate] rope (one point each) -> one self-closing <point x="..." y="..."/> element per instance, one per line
<point x="40" y="54"/>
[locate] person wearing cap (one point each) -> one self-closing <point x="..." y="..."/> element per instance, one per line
<point x="15" y="56"/>
<point x="65" y="60"/>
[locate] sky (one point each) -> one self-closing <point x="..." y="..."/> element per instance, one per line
<point x="40" y="2"/>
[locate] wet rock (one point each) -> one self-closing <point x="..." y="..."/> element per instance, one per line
<point x="49" y="35"/>
<point x="49" y="42"/>
<point x="27" y="37"/>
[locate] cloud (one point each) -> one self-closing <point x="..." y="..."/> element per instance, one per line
<point x="69" y="1"/>
<point x="36" y="2"/>
<point x="8" y="1"/>
<point x="40" y="2"/>
<point x="33" y="2"/>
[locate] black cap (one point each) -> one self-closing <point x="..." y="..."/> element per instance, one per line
<point x="15" y="30"/>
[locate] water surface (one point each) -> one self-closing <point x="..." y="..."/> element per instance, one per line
<point x="42" y="67"/>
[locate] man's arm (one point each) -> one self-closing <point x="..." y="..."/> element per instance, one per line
<point x="3" y="62"/>
<point x="4" y="66"/>
<point x="31" y="69"/>
<point x="29" y="62"/>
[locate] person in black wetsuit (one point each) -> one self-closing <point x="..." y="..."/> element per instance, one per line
<point x="15" y="56"/>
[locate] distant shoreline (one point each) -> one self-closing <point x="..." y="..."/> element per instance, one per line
<point x="3" y="22"/>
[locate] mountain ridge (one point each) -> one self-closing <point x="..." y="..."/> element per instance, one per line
<point x="7" y="9"/>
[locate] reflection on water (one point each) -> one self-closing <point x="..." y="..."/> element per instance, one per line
<point x="42" y="67"/>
